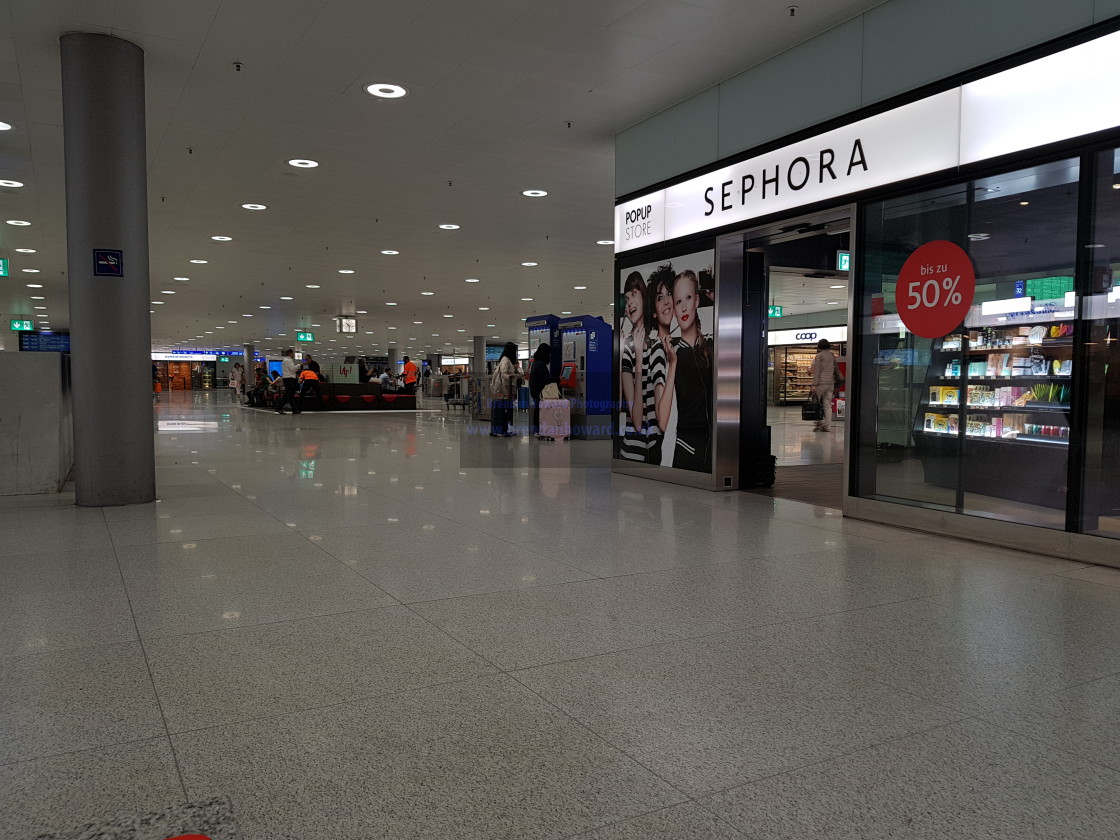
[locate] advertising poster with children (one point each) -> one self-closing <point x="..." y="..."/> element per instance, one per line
<point x="666" y="314"/>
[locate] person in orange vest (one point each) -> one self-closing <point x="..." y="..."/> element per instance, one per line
<point x="308" y="383"/>
<point x="411" y="372"/>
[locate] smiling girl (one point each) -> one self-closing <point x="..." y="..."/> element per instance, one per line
<point x="689" y="376"/>
<point x="635" y="442"/>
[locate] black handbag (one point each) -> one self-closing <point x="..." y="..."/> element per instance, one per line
<point x="812" y="410"/>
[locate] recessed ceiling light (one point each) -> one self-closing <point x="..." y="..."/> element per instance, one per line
<point x="384" y="90"/>
<point x="312" y="286"/>
<point x="359" y="312"/>
<point x="470" y="280"/>
<point x="495" y="336"/>
<point x="448" y="316"/>
<point x="34" y="285"/>
<point x="483" y="308"/>
<point x="255" y="206"/>
<point x="833" y="303"/>
<point x="222" y="238"/>
<point x="529" y="264"/>
<point x="1095" y="245"/>
<point x="265" y="307"/>
<point x="841" y="286"/>
<point x="7" y="183"/>
<point x="534" y="193"/>
<point x="166" y="292"/>
<point x="25" y="250"/>
<point x="1023" y="203"/>
<point x="491" y="325"/>
<point x="5" y="127"/>
<point x="285" y="297"/>
<point x="246" y="315"/>
<point x="604" y="241"/>
<point x="199" y="262"/>
<point x="18" y="222"/>
<point x="157" y="302"/>
<point x="566" y="312"/>
<point x="526" y="298"/>
<point x="579" y="287"/>
<point x="392" y="328"/>
<point x="448" y="227"/>
<point x="30" y="270"/>
<point x="460" y="330"/>
<point x="182" y="279"/>
<point x="316" y="325"/>
<point x="390" y="303"/>
<point x="418" y="322"/>
<point x="37" y="297"/>
<point x="303" y="163"/>
<point x="390" y="253"/>
<point x="346" y="271"/>
<point x="231" y="322"/>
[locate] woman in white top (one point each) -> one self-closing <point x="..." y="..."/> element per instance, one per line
<point x="236" y="378"/>
<point x="501" y="392"/>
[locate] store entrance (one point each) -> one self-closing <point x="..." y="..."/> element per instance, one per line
<point x="800" y="270"/>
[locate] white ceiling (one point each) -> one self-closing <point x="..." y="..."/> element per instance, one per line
<point x="505" y="95"/>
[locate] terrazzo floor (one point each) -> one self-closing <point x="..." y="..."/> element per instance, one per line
<point x="387" y="626"/>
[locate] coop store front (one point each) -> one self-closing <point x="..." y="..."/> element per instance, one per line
<point x="983" y="367"/>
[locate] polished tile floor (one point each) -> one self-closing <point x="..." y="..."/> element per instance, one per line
<point x="387" y="626"/>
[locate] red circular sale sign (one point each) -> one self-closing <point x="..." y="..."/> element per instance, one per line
<point x="935" y="289"/>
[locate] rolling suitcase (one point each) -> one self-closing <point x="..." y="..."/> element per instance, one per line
<point x="556" y="419"/>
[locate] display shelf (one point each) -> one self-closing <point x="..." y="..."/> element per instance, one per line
<point x="995" y="388"/>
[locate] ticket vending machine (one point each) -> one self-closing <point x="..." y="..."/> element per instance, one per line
<point x="587" y="352"/>
<point x="545" y="329"/>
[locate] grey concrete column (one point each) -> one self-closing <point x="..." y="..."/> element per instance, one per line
<point x="394" y="356"/>
<point x="250" y="351"/>
<point x="478" y="360"/>
<point x="110" y="327"/>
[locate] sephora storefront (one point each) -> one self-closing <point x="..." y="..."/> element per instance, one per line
<point x="984" y="304"/>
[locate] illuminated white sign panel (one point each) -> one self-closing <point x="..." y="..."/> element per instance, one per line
<point x="807" y="335"/>
<point x="1055" y="98"/>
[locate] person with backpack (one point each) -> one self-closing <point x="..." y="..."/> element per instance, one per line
<point x="539" y="376"/>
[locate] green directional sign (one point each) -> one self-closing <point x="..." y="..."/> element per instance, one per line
<point x="3" y="266"/>
<point x="22" y="326"/>
<point x="223" y="358"/>
<point x="774" y="311"/>
<point x="305" y="336"/>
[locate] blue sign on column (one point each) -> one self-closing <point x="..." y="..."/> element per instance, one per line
<point x="107" y="263"/>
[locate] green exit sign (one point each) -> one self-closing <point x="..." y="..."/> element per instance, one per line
<point x="223" y="358"/>
<point x="305" y="336"/>
<point x="843" y="260"/>
<point x="774" y="311"/>
<point x="22" y="326"/>
<point x="3" y="266"/>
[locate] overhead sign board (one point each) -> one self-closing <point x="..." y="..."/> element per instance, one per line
<point x="3" y="266"/>
<point x="806" y="335"/>
<point x="21" y="326"/>
<point x="773" y="311"/>
<point x="1061" y="96"/>
<point x="305" y="336"/>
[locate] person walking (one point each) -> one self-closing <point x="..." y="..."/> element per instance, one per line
<point x="290" y="373"/>
<point x="823" y="371"/>
<point x="539" y="376"/>
<point x="410" y="373"/>
<point x="236" y="378"/>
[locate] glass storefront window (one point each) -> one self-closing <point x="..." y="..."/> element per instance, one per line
<point x="976" y="420"/>
<point x="1100" y="510"/>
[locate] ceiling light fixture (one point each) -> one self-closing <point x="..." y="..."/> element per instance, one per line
<point x="604" y="241"/>
<point x="448" y="227"/>
<point x="264" y="307"/>
<point x="222" y="238"/>
<point x="313" y="286"/>
<point x="166" y="292"/>
<point x="448" y="316"/>
<point x="833" y="303"/>
<point x="25" y="250"/>
<point x="529" y="264"/>
<point x="182" y="279"/>
<point x="534" y="193"/>
<point x="836" y="287"/>
<point x="579" y="288"/>
<point x="483" y="308"/>
<point x="359" y="312"/>
<point x="30" y="270"/>
<point x="5" y="126"/>
<point x="255" y="206"/>
<point x="302" y="163"/>
<point x="390" y="253"/>
<point x="199" y="262"/>
<point x="285" y="297"/>
<point x="384" y="90"/>
<point x="346" y="271"/>
<point x="526" y="298"/>
<point x="566" y="312"/>
<point x="427" y="294"/>
<point x="390" y="303"/>
<point x="7" y="183"/>
<point x="471" y="280"/>
<point x="18" y="222"/>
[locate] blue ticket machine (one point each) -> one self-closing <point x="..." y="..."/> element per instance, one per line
<point x="545" y="329"/>
<point x="587" y="347"/>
